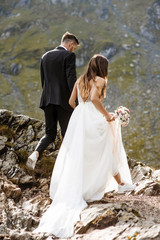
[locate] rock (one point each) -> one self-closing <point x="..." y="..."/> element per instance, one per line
<point x="15" y="68"/>
<point x="3" y="140"/>
<point x="153" y="189"/>
<point x="93" y="218"/>
<point x="109" y="233"/>
<point x="16" y="216"/>
<point x="5" y="116"/>
<point x="150" y="233"/>
<point x="53" y="1"/>
<point x="154" y="15"/>
<point x="9" y="165"/>
<point x="19" y="121"/>
<point x="26" y="136"/>
<point x="12" y="191"/>
<point x="43" y="182"/>
<point x="109" y="51"/>
<point x="141" y="172"/>
<point x="102" y="13"/>
<point x="126" y="47"/>
<point x="14" y="235"/>
<point x="37" y="205"/>
<point x="26" y="181"/>
<point x="156" y="175"/>
<point x="148" y="34"/>
<point x="44" y="185"/>
<point x="23" y="3"/>
<point x="22" y="135"/>
<point x="137" y="233"/>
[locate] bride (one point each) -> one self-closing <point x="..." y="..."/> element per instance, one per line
<point x="91" y="160"/>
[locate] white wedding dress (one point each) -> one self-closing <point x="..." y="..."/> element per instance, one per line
<point x="90" y="155"/>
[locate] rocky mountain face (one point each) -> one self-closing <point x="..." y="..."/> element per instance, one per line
<point x="24" y="194"/>
<point x="127" y="32"/>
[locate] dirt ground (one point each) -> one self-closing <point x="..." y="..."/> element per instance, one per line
<point x="146" y="206"/>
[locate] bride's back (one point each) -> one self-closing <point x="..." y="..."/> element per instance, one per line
<point x="84" y="95"/>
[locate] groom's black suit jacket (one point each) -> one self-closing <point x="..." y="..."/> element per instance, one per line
<point x="58" y="75"/>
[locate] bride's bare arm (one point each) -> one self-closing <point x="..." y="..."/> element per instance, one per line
<point x="95" y="98"/>
<point x="73" y="97"/>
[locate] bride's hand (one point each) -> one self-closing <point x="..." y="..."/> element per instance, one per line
<point x="110" y="117"/>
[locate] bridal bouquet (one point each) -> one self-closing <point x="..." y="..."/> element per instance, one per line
<point x="123" y="114"/>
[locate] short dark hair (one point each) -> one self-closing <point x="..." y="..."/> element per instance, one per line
<point x="67" y="37"/>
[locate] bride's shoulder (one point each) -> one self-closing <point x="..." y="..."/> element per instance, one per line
<point x="78" y="80"/>
<point x="100" y="82"/>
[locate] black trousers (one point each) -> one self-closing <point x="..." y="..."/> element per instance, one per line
<point x="53" y="115"/>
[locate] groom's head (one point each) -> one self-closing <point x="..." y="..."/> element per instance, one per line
<point x="69" y="41"/>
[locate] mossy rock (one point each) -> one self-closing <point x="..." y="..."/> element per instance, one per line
<point x="44" y="166"/>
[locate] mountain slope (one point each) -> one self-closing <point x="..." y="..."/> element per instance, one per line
<point x="127" y="32"/>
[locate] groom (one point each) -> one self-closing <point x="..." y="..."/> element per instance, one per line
<point x="58" y="75"/>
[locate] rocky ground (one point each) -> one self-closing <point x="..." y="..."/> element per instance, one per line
<point x="30" y="28"/>
<point x="25" y="196"/>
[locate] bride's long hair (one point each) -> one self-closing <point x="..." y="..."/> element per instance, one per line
<point x="97" y="66"/>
